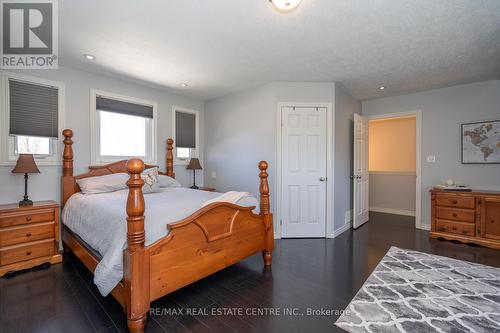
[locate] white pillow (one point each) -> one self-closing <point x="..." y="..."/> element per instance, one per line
<point x="103" y="184"/>
<point x="151" y="182"/>
<point x="166" y="181"/>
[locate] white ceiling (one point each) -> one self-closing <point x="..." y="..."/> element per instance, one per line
<point x="223" y="46"/>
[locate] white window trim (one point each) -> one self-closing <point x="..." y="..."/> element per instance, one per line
<point x="151" y="142"/>
<point x="194" y="152"/>
<point x="7" y="155"/>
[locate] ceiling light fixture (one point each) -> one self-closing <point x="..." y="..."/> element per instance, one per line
<point x="381" y="88"/>
<point x="183" y="85"/>
<point x="285" y="6"/>
<point x="89" y="56"/>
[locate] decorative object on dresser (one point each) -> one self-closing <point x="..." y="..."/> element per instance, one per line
<point x="469" y="217"/>
<point x="194" y="164"/>
<point x="29" y="235"/>
<point x="481" y="142"/>
<point x="25" y="164"/>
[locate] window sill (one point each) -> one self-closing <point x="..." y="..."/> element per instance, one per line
<point x="38" y="163"/>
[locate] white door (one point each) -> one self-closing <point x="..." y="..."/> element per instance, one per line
<point x="360" y="171"/>
<point x="303" y="147"/>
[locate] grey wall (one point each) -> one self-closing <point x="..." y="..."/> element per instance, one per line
<point x="393" y="190"/>
<point x="443" y="110"/>
<point x="345" y="107"/>
<point x="77" y="105"/>
<point x="241" y="130"/>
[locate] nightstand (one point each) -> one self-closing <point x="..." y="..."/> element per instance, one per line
<point x="208" y="189"/>
<point x="29" y="235"/>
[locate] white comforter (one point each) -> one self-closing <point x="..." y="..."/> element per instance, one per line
<point x="100" y="220"/>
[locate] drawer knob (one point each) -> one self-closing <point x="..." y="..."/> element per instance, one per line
<point x="28" y="234"/>
<point x="28" y="253"/>
<point x="453" y="228"/>
<point x="28" y="218"/>
<point x="454" y="202"/>
<point x="454" y="214"/>
<point x="464" y="231"/>
<point x="492" y="221"/>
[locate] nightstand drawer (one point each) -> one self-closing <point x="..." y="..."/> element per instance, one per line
<point x="32" y="216"/>
<point x="17" y="253"/>
<point x="456" y="214"/>
<point x="466" y="229"/>
<point x="455" y="201"/>
<point x="26" y="233"/>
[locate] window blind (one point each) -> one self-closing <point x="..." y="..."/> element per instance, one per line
<point x="185" y="130"/>
<point x="116" y="106"/>
<point x="33" y="109"/>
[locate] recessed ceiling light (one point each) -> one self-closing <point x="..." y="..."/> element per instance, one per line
<point x="381" y="88"/>
<point x="89" y="56"/>
<point x="285" y="6"/>
<point x="183" y="85"/>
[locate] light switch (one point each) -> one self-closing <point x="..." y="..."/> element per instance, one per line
<point x="214" y="175"/>
<point x="431" y="159"/>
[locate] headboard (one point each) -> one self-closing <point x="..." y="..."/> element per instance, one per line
<point x="68" y="180"/>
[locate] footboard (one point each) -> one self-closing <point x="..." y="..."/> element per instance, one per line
<point x="213" y="238"/>
<point x="209" y="240"/>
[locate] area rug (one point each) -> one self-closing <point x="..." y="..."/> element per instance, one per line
<point x="412" y="292"/>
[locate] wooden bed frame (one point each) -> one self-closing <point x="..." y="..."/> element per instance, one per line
<point x="212" y="238"/>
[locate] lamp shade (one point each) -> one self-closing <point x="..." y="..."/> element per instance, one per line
<point x="25" y="164"/>
<point x="194" y="164"/>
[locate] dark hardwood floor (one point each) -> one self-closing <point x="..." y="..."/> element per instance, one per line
<point x="306" y="273"/>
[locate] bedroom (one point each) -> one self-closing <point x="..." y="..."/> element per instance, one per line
<point x="236" y="83"/>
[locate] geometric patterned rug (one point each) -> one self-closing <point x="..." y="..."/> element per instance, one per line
<point x="412" y="292"/>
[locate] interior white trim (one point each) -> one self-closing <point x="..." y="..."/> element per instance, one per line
<point x="330" y="138"/>
<point x="6" y="157"/>
<point x="392" y="211"/>
<point x="341" y="230"/>
<point x="418" y="171"/>
<point x="194" y="152"/>
<point x="152" y="141"/>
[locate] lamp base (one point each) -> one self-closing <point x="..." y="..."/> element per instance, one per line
<point x="25" y="202"/>
<point x="194" y="187"/>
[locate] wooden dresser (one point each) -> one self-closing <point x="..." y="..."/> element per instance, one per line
<point x="29" y="236"/>
<point x="469" y="217"/>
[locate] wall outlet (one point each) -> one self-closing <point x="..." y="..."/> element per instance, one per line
<point x="348" y="216"/>
<point x="214" y="175"/>
<point x="431" y="159"/>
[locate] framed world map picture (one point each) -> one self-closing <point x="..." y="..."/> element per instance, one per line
<point x="481" y="142"/>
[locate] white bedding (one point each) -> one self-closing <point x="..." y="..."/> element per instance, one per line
<point x="100" y="220"/>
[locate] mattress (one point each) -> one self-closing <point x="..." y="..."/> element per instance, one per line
<point x="100" y="221"/>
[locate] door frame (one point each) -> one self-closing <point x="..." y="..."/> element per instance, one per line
<point x="418" y="167"/>
<point x="330" y="140"/>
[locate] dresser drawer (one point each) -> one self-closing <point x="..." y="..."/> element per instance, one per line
<point x="32" y="216"/>
<point x="455" y="201"/>
<point x="17" y="253"/>
<point x="26" y="233"/>
<point x="456" y="214"/>
<point x="466" y="229"/>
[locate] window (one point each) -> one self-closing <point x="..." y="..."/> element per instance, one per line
<point x="122" y="127"/>
<point x="32" y="118"/>
<point x="186" y="134"/>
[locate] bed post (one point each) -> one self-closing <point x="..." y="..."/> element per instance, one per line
<point x="267" y="254"/>
<point x="68" y="181"/>
<point x="170" y="158"/>
<point x="136" y="260"/>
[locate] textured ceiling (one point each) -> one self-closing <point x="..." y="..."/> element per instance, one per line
<point x="223" y="46"/>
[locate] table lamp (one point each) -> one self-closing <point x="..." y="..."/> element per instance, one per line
<point x="194" y="164"/>
<point x="25" y="164"/>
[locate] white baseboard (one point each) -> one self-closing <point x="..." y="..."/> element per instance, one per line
<point x="425" y="227"/>
<point x="392" y="211"/>
<point x="341" y="230"/>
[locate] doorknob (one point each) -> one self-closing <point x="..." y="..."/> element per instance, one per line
<point x="322" y="179"/>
